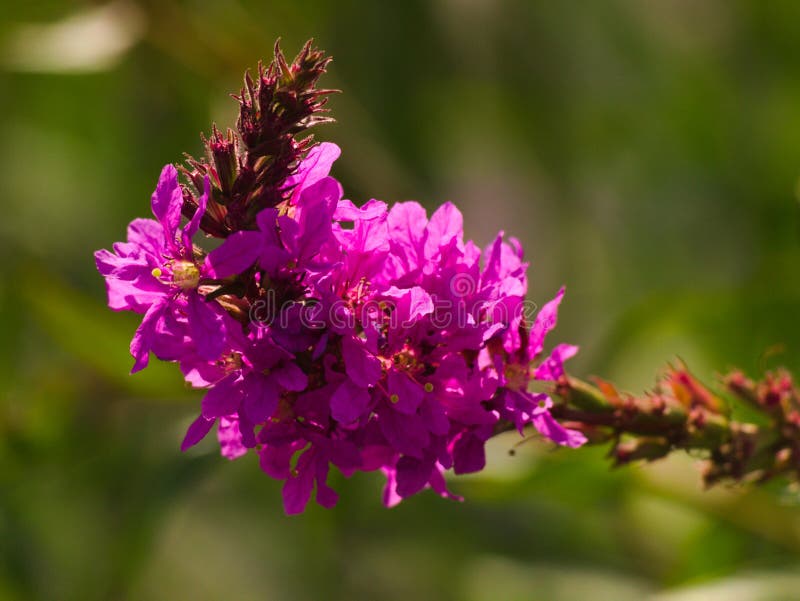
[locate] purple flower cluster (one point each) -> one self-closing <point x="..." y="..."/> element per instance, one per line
<point x="367" y="338"/>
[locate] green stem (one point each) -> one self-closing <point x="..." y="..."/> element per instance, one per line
<point x="681" y="414"/>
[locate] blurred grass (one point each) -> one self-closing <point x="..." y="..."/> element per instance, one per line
<point x="646" y="154"/>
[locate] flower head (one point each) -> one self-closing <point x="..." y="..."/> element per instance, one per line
<point x="326" y="333"/>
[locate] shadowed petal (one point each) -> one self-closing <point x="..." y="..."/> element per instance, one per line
<point x="362" y="367"/>
<point x="412" y="475"/>
<point x="261" y="395"/>
<point x="469" y="454"/>
<point x="197" y="431"/>
<point x="298" y="487"/>
<point x="206" y="327"/>
<point x="291" y="377"/>
<point x="224" y="398"/>
<point x="404" y="394"/>
<point x="349" y="402"/>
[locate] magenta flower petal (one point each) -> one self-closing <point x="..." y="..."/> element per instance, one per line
<point x="167" y="201"/>
<point x="137" y="294"/>
<point x="314" y="167"/>
<point x="435" y="417"/>
<point x="191" y="227"/>
<point x="234" y="256"/>
<point x="261" y="395"/>
<point x="224" y="398"/>
<point x="291" y="377"/>
<point x="230" y="438"/>
<point x="206" y="327"/>
<point x="469" y="454"/>
<point x="550" y="428"/>
<point x="406" y="433"/>
<point x="411" y="303"/>
<point x="144" y="337"/>
<point x="446" y="224"/>
<point x="439" y="486"/>
<point x="412" y="475"/>
<point x="326" y="496"/>
<point x="146" y="235"/>
<point x="390" y="496"/>
<point x="276" y="461"/>
<point x="372" y="210"/>
<point x="267" y="220"/>
<point x="545" y="321"/>
<point x="197" y="431"/>
<point x="314" y="217"/>
<point x="363" y="367"/>
<point x="298" y="487"/>
<point x="108" y="262"/>
<point x="552" y="368"/>
<point x="405" y="394"/>
<point x="407" y="228"/>
<point x="349" y="402"/>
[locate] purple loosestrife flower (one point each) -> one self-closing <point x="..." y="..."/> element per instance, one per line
<point x="156" y="273"/>
<point x="326" y="333"/>
<point x="514" y="371"/>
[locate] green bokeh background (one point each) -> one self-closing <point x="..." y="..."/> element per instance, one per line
<point x="647" y="155"/>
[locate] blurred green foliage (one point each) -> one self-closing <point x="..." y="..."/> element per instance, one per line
<point x="647" y="155"/>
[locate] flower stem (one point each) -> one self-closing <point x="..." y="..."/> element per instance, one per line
<point x="683" y="414"/>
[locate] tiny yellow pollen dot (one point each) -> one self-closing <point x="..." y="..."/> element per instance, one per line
<point x="428" y="387"/>
<point x="394" y="398"/>
<point x="157" y="272"/>
<point x="542" y="404"/>
<point x="294" y="473"/>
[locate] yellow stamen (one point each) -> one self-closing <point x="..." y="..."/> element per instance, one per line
<point x="428" y="387"/>
<point x="156" y="272"/>
<point x="394" y="398"/>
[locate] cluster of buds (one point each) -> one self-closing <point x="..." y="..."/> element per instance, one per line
<point x="772" y="447"/>
<point x="683" y="414"/>
<point x="249" y="169"/>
